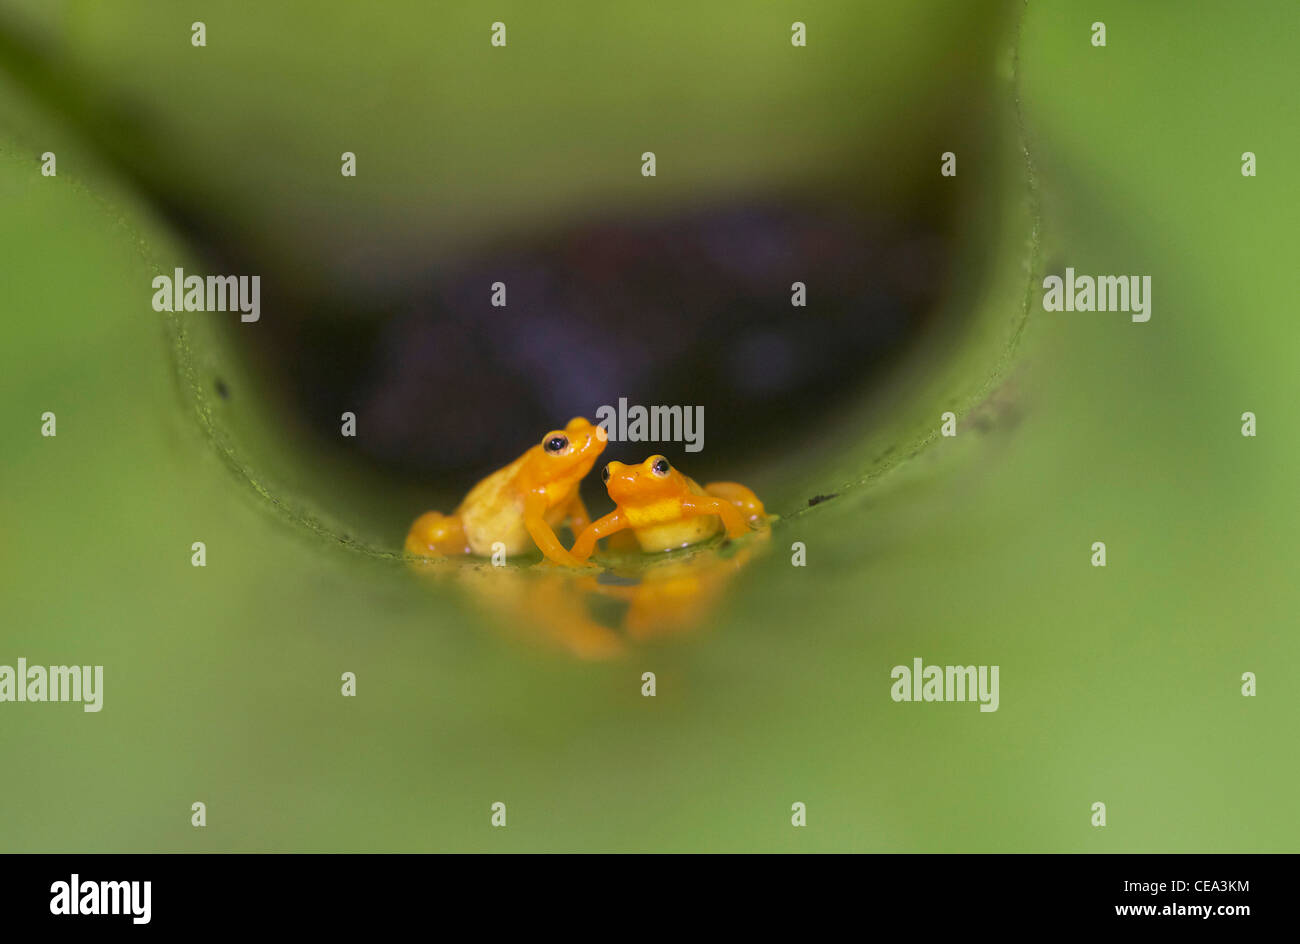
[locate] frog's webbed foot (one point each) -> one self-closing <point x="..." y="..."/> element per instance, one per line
<point x="436" y="535"/>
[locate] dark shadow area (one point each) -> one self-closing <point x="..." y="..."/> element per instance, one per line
<point x="693" y="310"/>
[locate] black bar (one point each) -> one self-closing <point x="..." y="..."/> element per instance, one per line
<point x="975" y="892"/>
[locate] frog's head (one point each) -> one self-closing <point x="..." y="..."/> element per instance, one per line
<point x="569" y="452"/>
<point x="650" y="481"/>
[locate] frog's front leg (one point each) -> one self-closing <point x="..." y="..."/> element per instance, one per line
<point x="600" y="528"/>
<point x="541" y="533"/>
<point x="437" y="535"/>
<point x="577" y="515"/>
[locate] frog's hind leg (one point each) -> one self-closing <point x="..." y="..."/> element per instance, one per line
<point x="437" y="535"/>
<point x="746" y="502"/>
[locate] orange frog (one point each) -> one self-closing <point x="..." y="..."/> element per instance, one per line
<point x="520" y="505"/>
<point x="667" y="510"/>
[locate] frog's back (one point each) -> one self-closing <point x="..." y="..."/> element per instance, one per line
<point x="494" y="511"/>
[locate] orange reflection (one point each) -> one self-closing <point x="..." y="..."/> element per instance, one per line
<point x="632" y="599"/>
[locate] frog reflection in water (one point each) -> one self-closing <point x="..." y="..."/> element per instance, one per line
<point x="520" y="505"/>
<point x="600" y="616"/>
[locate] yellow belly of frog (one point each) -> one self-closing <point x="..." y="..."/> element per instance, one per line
<point x="661" y="527"/>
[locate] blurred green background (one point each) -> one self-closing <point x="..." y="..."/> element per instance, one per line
<point x="1119" y="685"/>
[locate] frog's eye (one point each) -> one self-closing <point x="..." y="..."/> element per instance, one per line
<point x="556" y="445"/>
<point x="660" y="466"/>
<point x="604" y="475"/>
